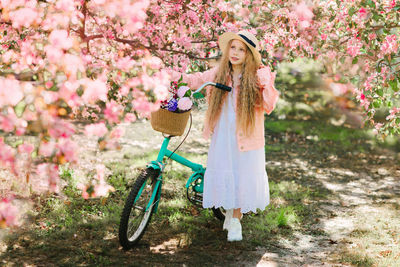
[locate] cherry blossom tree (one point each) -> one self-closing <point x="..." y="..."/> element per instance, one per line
<point x="107" y="62"/>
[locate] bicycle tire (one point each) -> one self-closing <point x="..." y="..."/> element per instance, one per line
<point x="134" y="217"/>
<point x="219" y="213"/>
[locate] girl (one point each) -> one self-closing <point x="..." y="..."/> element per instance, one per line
<point x="235" y="178"/>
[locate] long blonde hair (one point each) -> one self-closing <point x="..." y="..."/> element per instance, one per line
<point x="249" y="95"/>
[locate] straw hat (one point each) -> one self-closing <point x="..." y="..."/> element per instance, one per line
<point x="246" y="37"/>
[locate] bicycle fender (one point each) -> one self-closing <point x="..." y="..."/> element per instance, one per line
<point x="192" y="178"/>
<point x="156" y="165"/>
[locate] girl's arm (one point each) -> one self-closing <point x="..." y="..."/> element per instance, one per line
<point x="270" y="94"/>
<point x="195" y="80"/>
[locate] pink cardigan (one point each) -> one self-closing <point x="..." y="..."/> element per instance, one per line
<point x="270" y="97"/>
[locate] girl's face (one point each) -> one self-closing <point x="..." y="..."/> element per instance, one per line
<point x="237" y="52"/>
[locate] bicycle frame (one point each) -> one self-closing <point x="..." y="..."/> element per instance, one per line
<point x="197" y="169"/>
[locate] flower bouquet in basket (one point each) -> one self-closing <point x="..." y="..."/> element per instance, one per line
<point x="174" y="112"/>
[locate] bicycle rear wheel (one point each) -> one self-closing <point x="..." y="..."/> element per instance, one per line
<point x="219" y="213"/>
<point x="138" y="208"/>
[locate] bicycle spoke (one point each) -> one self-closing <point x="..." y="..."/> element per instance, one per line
<point x="139" y="208"/>
<point x="138" y="211"/>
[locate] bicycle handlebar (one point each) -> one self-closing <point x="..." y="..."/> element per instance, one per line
<point x="218" y="85"/>
<point x="223" y="87"/>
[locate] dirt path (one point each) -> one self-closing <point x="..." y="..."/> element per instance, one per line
<point x="361" y="194"/>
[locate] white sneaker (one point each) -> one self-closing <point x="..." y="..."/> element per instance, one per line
<point x="228" y="217"/>
<point x="235" y="230"/>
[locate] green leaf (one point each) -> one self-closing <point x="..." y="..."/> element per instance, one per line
<point x="198" y="95"/>
<point x="20" y="108"/>
<point x="376" y="17"/>
<point x="355" y="60"/>
<point x="352" y="10"/>
<point x="377" y="103"/>
<point x="332" y="18"/>
<point x="393" y="84"/>
<point x="379" y="92"/>
<point x="354" y="80"/>
<point x="180" y="79"/>
<point x="371" y="3"/>
<point x="182" y="84"/>
<point x="188" y="93"/>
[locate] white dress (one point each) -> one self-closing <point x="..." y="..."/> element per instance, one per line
<point x="234" y="179"/>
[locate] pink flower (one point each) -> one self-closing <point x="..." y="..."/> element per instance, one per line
<point x="304" y="14"/>
<point x="372" y="36"/>
<point x="113" y="111"/>
<point x="193" y="16"/>
<point x="390" y="45"/>
<point x="182" y="91"/>
<point x="363" y="13"/>
<point x="47" y="149"/>
<point x="60" y="39"/>
<point x="7" y="154"/>
<point x="49" y="171"/>
<point x="185" y="103"/>
<point x="10" y="92"/>
<point x="130" y="117"/>
<point x="23" y="17"/>
<point x="153" y="62"/>
<point x="68" y="148"/>
<point x="125" y="63"/>
<point x="102" y="189"/>
<point x="100" y="169"/>
<point x="8" y="213"/>
<point x="161" y="92"/>
<point x="25" y="148"/>
<point x="117" y="133"/>
<point x="61" y="128"/>
<point x="72" y="64"/>
<point x="323" y="36"/>
<point x="353" y="49"/>
<point x="95" y="90"/>
<point x="53" y="54"/>
<point x="98" y="129"/>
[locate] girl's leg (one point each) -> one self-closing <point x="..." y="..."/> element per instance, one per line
<point x="237" y="213"/>
<point x="235" y="228"/>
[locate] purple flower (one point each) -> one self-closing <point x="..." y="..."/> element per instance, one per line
<point x="172" y="104"/>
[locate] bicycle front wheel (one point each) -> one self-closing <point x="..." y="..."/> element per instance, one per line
<point x="138" y="208"/>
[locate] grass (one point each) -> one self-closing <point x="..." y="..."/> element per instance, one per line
<point x="67" y="230"/>
<point x="322" y="133"/>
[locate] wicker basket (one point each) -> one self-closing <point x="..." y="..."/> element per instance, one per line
<point x="169" y="122"/>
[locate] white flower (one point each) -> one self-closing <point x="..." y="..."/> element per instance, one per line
<point x="182" y="91"/>
<point x="185" y="103"/>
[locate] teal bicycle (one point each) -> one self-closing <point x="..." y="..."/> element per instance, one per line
<point x="145" y="195"/>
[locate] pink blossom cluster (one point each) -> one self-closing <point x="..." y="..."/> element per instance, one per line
<point x="353" y="47"/>
<point x="390" y="45"/>
<point x="394" y="112"/>
<point x="105" y="60"/>
<point x="8" y="213"/>
<point x="98" y="187"/>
